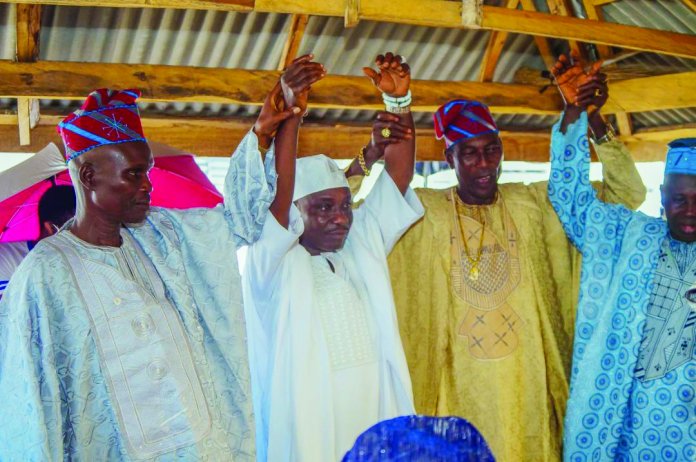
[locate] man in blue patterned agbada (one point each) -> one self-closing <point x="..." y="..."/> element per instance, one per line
<point x="122" y="337"/>
<point x="633" y="375"/>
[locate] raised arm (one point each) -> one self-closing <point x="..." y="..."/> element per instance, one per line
<point x="393" y="79"/>
<point x="570" y="191"/>
<point x="295" y="83"/>
<point x="251" y="182"/>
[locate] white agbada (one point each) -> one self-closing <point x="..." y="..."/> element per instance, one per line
<point x="326" y="357"/>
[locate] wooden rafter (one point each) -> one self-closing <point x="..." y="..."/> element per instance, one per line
<point x="69" y="80"/>
<point x="27" y="50"/>
<point x="496" y="42"/>
<point x="541" y="42"/>
<point x="219" y="137"/>
<point x="594" y="12"/>
<point x="624" y="123"/>
<point x="603" y="2"/>
<point x="298" y="23"/>
<point x="564" y="8"/>
<point x="439" y="13"/>
<point x="691" y="4"/>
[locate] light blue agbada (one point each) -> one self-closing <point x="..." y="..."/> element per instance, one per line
<point x="633" y="376"/>
<point x="95" y="366"/>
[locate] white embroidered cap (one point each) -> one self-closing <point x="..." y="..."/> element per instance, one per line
<point x="317" y="173"/>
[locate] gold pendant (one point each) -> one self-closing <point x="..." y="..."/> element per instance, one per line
<point x="474" y="273"/>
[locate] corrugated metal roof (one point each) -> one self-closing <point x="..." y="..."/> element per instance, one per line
<point x="255" y="41"/>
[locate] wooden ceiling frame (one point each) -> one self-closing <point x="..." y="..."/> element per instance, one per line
<point x="437" y="13"/>
<point x="28" y="27"/>
<point x="218" y="137"/>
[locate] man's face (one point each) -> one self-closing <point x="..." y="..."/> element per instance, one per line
<point x="120" y="187"/>
<point x="679" y="202"/>
<point x="327" y="217"/>
<point x="476" y="161"/>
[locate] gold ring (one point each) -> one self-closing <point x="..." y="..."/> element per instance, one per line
<point x="386" y="133"/>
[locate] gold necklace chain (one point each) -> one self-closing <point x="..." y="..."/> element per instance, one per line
<point x="473" y="262"/>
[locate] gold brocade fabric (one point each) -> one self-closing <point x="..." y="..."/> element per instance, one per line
<point x="497" y="350"/>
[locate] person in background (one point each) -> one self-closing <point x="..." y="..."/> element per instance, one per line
<point x="56" y="206"/>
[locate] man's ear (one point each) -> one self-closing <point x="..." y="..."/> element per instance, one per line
<point x="86" y="175"/>
<point x="448" y="158"/>
<point x="663" y="194"/>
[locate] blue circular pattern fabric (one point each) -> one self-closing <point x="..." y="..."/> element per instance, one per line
<point x="420" y="439"/>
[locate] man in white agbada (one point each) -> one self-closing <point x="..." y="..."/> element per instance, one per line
<point x="122" y="337"/>
<point x="327" y="360"/>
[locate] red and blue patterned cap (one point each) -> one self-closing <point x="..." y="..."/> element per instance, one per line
<point x="462" y="119"/>
<point x="106" y="117"/>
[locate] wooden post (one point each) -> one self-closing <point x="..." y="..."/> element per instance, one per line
<point x="28" y="34"/>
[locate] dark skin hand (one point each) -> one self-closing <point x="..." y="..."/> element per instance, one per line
<point x="113" y="188"/>
<point x="375" y="148"/>
<point x="295" y="84"/>
<point x="276" y="109"/>
<point x="590" y="95"/>
<point x="393" y="77"/>
<point x="679" y="201"/>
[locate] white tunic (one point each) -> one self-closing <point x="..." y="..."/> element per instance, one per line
<point x="326" y="357"/>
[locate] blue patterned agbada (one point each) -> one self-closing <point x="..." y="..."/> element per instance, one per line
<point x="61" y="398"/>
<point x="633" y="375"/>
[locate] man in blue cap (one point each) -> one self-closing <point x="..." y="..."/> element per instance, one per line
<point x="633" y="376"/>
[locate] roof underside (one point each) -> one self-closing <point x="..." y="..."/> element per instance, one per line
<point x="255" y="41"/>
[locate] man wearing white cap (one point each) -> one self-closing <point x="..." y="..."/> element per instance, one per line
<point x="327" y="360"/>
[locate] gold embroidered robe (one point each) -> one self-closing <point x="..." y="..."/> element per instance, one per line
<point x="497" y="351"/>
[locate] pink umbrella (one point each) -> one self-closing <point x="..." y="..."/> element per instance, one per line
<point x="177" y="182"/>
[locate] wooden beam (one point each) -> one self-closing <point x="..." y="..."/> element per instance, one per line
<point x="438" y="13"/>
<point x="541" y="42"/>
<point x="594" y="12"/>
<point x="564" y="8"/>
<point x="28" y="31"/>
<point x="671" y="91"/>
<point x="624" y="123"/>
<point x="298" y="24"/>
<point x="691" y="4"/>
<point x="27" y="118"/>
<point x="69" y="80"/>
<point x="603" y="2"/>
<point x="222" y="5"/>
<point x="496" y="42"/>
<point x="219" y="137"/>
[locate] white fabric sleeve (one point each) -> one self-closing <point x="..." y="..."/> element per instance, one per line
<point x="387" y="211"/>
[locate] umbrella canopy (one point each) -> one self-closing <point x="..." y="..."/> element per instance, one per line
<point x="177" y="182"/>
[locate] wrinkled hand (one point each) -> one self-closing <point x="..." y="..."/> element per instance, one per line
<point x="288" y="97"/>
<point x="570" y="75"/>
<point x="298" y="79"/>
<point x="594" y="93"/>
<point x="393" y="75"/>
<point x="378" y="142"/>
